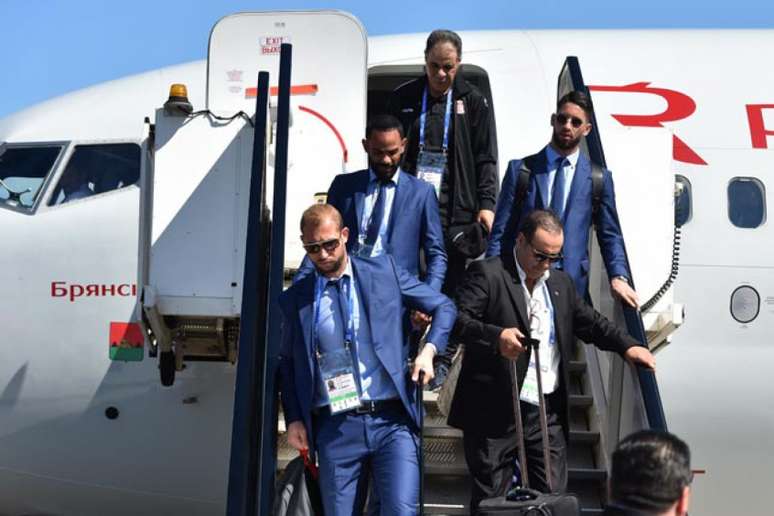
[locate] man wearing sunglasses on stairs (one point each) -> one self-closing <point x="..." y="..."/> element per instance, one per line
<point x="348" y="390"/>
<point x="561" y="178"/>
<point x="505" y="303"/>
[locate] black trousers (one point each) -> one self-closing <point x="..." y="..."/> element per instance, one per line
<point x="491" y="460"/>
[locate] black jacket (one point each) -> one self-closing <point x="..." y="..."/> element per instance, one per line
<point x="473" y="183"/>
<point x="490" y="299"/>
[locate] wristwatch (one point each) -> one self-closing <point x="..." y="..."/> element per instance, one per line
<point x="624" y="278"/>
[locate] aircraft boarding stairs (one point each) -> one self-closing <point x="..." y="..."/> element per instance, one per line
<point x="598" y="417"/>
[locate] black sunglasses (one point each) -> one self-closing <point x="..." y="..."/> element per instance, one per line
<point x="329" y="246"/>
<point x="574" y="120"/>
<point x="540" y="256"/>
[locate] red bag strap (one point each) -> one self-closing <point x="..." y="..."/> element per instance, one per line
<point x="309" y="464"/>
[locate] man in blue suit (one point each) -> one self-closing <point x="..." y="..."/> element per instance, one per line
<point x="387" y="210"/>
<point x="344" y="371"/>
<point x="560" y="179"/>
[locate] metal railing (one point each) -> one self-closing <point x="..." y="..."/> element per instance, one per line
<point x="571" y="79"/>
<point x="254" y="437"/>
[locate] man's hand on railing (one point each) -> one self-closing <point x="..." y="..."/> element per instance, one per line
<point x="623" y="291"/>
<point x="639" y="355"/>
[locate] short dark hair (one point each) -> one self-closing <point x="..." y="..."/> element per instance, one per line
<point x="580" y="99"/>
<point x="444" y="36"/>
<point x="314" y="215"/>
<point x="383" y="122"/>
<point x="543" y="219"/>
<point x="649" y="470"/>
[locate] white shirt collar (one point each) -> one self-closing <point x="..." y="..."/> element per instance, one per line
<point x="523" y="275"/>
<point x="552" y="156"/>
<point x="372" y="177"/>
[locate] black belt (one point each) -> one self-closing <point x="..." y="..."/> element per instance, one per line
<point x="368" y="407"/>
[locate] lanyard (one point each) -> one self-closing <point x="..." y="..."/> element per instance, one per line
<point x="346" y="291"/>
<point x="446" y="121"/>
<point x="549" y="307"/>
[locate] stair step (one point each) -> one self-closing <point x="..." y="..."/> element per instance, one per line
<point x="446" y="494"/>
<point x="580" y="400"/>
<point x="442" y="431"/>
<point x="444" y="456"/>
<point x="433" y="418"/>
<point x="576" y="366"/>
<point x="583" y="437"/>
<point x="594" y="474"/>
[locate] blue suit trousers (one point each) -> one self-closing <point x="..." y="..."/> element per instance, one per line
<point x="350" y="445"/>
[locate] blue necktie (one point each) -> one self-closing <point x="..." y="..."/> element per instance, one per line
<point x="377" y="215"/>
<point x="557" y="195"/>
<point x="342" y="304"/>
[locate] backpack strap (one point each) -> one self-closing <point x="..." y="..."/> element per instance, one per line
<point x="522" y="186"/>
<point x="597" y="185"/>
<point x="522" y="182"/>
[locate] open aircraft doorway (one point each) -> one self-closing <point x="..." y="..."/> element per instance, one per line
<point x="384" y="79"/>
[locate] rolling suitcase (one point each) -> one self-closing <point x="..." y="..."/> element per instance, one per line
<point x="522" y="500"/>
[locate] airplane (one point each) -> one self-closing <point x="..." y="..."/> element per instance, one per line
<point x="103" y="280"/>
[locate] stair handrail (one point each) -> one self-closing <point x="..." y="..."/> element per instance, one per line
<point x="571" y="78"/>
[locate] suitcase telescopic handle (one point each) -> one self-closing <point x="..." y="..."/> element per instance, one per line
<point x="421" y="447"/>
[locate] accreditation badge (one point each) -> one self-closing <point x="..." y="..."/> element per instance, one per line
<point x="431" y="167"/>
<point x="338" y="375"/>
<point x="529" y="389"/>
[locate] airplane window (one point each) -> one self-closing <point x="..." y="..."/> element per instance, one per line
<point x="96" y="169"/>
<point x="22" y="171"/>
<point x="746" y="202"/>
<point x="683" y="207"/>
<point x="745" y="304"/>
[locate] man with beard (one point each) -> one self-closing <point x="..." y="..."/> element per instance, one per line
<point x="388" y="211"/>
<point x="560" y="179"/>
<point x="348" y="391"/>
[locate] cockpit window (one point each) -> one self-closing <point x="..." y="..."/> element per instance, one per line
<point x="96" y="169"/>
<point x="22" y="171"/>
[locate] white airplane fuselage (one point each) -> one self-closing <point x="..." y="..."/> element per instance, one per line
<point x="68" y="271"/>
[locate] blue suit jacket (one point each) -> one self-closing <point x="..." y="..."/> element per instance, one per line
<point x="386" y="291"/>
<point x="577" y="220"/>
<point x="414" y="222"/>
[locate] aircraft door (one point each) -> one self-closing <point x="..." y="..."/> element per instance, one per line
<point x="196" y="200"/>
<point x="328" y="95"/>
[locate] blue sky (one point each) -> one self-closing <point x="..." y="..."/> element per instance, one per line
<point x="50" y="47"/>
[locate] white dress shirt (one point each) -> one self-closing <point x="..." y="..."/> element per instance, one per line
<point x="540" y="311"/>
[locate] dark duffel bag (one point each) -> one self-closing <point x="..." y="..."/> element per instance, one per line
<point x="298" y="493"/>
<point x="528" y="502"/>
